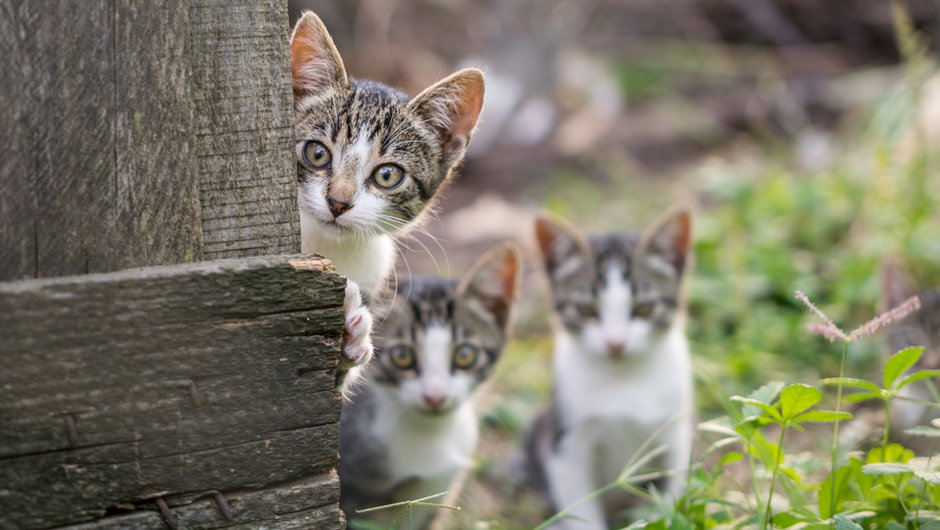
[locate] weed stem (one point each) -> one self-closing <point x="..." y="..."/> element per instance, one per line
<point x="834" y="454"/>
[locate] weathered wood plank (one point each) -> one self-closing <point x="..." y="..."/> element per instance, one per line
<point x="244" y="127"/>
<point x="308" y="503"/>
<point x="122" y="387"/>
<point x="97" y="172"/>
<point x="156" y="219"/>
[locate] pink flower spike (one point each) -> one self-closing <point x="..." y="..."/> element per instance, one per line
<point x="832" y="333"/>
<point x="906" y="308"/>
<point x="822" y="316"/>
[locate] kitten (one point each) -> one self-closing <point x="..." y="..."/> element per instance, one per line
<point x="622" y="367"/>
<point x="369" y="161"/>
<point x="919" y="329"/>
<point x="412" y="427"/>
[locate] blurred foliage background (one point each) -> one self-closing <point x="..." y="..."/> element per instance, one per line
<point x="806" y="131"/>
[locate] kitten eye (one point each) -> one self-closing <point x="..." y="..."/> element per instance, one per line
<point x="316" y="155"/>
<point x="388" y="176"/>
<point x="587" y="311"/>
<point x="402" y="357"/>
<point x="643" y="309"/>
<point x="465" y="356"/>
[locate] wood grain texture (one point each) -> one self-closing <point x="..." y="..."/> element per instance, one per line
<point x="244" y="127"/>
<point x="97" y="174"/>
<point x="171" y="383"/>
<point x="144" y="134"/>
<point x="307" y="503"/>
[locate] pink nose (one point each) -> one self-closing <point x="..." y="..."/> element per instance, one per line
<point x="615" y="349"/>
<point x="434" y="400"/>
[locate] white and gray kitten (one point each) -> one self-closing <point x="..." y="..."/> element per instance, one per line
<point x="369" y="161"/>
<point x="622" y="369"/>
<point x="412" y="427"/>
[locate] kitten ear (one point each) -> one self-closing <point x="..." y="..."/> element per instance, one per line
<point x="565" y="252"/>
<point x="493" y="281"/>
<point x="315" y="63"/>
<point x="452" y="107"/>
<point x="895" y="285"/>
<point x="664" y="248"/>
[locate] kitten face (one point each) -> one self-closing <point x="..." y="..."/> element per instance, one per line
<point x="441" y="339"/>
<point x="369" y="159"/>
<point x="616" y="294"/>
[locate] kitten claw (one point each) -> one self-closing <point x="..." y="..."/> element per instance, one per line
<point x="357" y="331"/>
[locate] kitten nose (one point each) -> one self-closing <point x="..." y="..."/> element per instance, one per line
<point x="337" y="208"/>
<point x="615" y="349"/>
<point x="434" y="400"/>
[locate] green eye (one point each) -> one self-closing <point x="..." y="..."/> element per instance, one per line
<point x="316" y="155"/>
<point x="402" y="357"/>
<point x="643" y="309"/>
<point x="388" y="176"/>
<point x="465" y="356"/>
<point x="587" y="311"/>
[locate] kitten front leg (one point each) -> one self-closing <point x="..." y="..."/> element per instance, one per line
<point x="357" y="336"/>
<point x="677" y="458"/>
<point x="569" y="472"/>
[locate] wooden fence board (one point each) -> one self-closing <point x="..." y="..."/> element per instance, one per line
<point x="97" y="173"/>
<point x="244" y="127"/>
<point x="118" y="113"/>
<point x="120" y="388"/>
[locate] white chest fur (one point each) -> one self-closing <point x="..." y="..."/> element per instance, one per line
<point x="429" y="448"/>
<point x="366" y="260"/>
<point x="621" y="403"/>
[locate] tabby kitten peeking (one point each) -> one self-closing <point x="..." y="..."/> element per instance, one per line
<point x="369" y="161"/>
<point x="412" y="427"/>
<point x="621" y="365"/>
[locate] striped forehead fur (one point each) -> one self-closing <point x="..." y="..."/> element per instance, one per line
<point x="394" y="131"/>
<point x="613" y="249"/>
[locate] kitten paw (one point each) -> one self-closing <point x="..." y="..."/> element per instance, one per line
<point x="357" y="332"/>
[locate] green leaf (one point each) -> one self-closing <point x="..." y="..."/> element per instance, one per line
<point x="768" y="409"/>
<point x="900" y="362"/>
<point x="850" y="382"/>
<point x="822" y="416"/>
<point x="862" y="396"/>
<point x="731" y="457"/>
<point x="716" y="427"/>
<point x="785" y="519"/>
<point x="887" y="468"/>
<point x="932" y="477"/>
<point x="890" y="453"/>
<point x="844" y="523"/>
<point x="796" y="398"/>
<point x="768" y="392"/>
<point x="923" y="430"/>
<point x="917" y="376"/>
<point x="842" y="477"/>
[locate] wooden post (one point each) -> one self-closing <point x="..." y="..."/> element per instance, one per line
<point x="184" y="395"/>
<point x="140" y="133"/>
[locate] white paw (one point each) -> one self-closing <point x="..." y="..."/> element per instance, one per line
<point x="357" y="333"/>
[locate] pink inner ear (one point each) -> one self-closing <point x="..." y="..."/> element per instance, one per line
<point x="314" y="65"/>
<point x="545" y="236"/>
<point x="508" y="274"/>
<point x="468" y="108"/>
<point x="683" y="236"/>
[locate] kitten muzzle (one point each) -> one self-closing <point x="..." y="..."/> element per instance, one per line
<point x="337" y="207"/>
